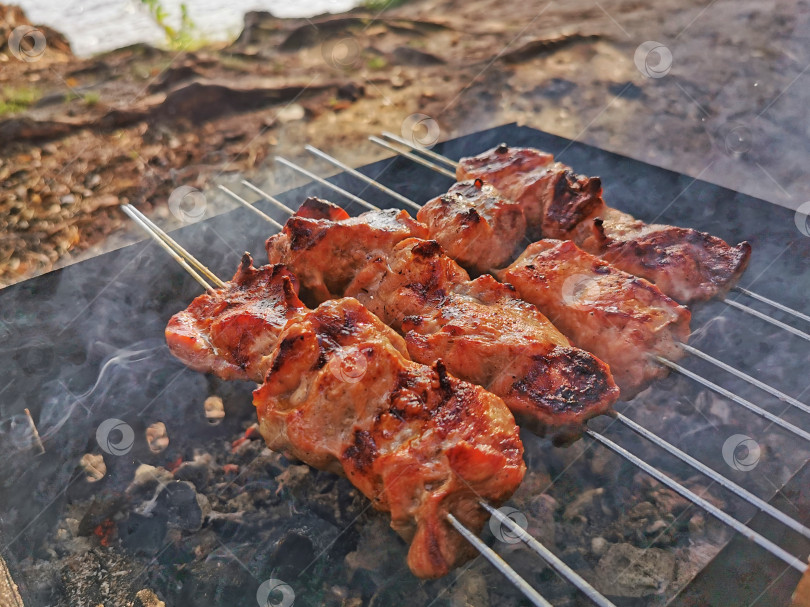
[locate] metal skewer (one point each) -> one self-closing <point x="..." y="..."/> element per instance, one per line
<point x="715" y="476"/>
<point x="454" y="165"/>
<point x="186" y="260"/>
<point x="692" y="350"/>
<point x="145" y="224"/>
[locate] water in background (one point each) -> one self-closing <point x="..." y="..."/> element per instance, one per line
<point x="99" y="25"/>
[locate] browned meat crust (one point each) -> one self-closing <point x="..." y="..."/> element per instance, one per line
<point x="476" y="226"/>
<point x="416" y="441"/>
<point x="326" y="248"/>
<point x="622" y="319"/>
<point x="487" y="335"/>
<point x="685" y="264"/>
<point x="230" y="331"/>
<point x="341" y="394"/>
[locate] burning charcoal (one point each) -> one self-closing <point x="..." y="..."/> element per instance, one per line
<point x="470" y="591"/>
<point x="147" y="598"/>
<point x="103" y="509"/>
<point x="197" y="472"/>
<point x="581" y="506"/>
<point x="146" y="481"/>
<point x="292" y="554"/>
<point x="179" y="504"/>
<point x="541" y="517"/>
<point x="142" y="535"/>
<point x="628" y="571"/>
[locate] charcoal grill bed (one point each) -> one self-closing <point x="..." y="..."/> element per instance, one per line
<point x="84" y="344"/>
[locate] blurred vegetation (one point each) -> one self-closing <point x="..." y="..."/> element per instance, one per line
<point x="183" y="37"/>
<point x="382" y="5"/>
<point x="17" y="99"/>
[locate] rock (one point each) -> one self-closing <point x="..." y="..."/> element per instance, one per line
<point x="627" y="571"/>
<point x="697" y="523"/>
<point x="147" y="598"/>
<point x="291" y="113"/>
<point x="656" y="527"/>
<point x="598" y="546"/>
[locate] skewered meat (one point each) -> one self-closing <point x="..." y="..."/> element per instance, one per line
<point x="481" y="329"/>
<point x="620" y="318"/>
<point x="477" y="227"/>
<point x="487" y="335"/>
<point x="337" y="244"/>
<point x="231" y="331"/>
<point x="341" y="394"/>
<point x="685" y="264"/>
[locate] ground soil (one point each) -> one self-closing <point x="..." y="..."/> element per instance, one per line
<point x="131" y="126"/>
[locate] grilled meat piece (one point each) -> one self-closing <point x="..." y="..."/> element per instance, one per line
<point x="554" y="199"/>
<point x="326" y="246"/>
<point x="685" y="264"/>
<point x="230" y="331"/>
<point x="476" y="226"/>
<point x="341" y="394"/>
<point x="485" y="334"/>
<point x="416" y="441"/>
<point x="622" y="319"/>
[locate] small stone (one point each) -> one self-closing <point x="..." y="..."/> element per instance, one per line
<point x="598" y="546"/>
<point x="214" y="410"/>
<point x="67" y="199"/>
<point x="292" y="112"/>
<point x="157" y="437"/>
<point x="581" y="504"/>
<point x="697" y="523"/>
<point x="94" y="466"/>
<point x="147" y="598"/>
<point x="656" y="527"/>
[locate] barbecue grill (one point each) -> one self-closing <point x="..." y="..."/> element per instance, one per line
<point x="85" y="353"/>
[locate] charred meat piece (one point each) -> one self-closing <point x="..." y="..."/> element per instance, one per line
<point x="341" y="394"/>
<point x="485" y="334"/>
<point x="414" y="440"/>
<point x="622" y="319"/>
<point x="230" y="331"/>
<point x="326" y="246"/>
<point x="477" y="226"/>
<point x="554" y="199"/>
<point x="685" y="264"/>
